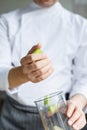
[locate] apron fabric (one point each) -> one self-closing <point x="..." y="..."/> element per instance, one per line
<point x="15" y="116"/>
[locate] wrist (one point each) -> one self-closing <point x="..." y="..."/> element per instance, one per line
<point x="16" y="77"/>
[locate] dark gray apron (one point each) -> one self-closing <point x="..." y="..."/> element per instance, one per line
<point x="15" y="116"/>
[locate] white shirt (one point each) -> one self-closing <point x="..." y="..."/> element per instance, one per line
<point x="63" y="36"/>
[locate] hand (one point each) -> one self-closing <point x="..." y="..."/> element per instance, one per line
<point x="76" y="116"/>
<point x="37" y="67"/>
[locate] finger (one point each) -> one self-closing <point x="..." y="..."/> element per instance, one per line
<point x="37" y="46"/>
<point x="75" y="116"/>
<point x="71" y="108"/>
<point x="40" y="64"/>
<point x="44" y="76"/>
<point x="36" y="66"/>
<point x="81" y="126"/>
<point x="41" y="71"/>
<point x="32" y="58"/>
<point x="80" y="123"/>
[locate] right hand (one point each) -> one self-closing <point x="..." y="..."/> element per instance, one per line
<point x="36" y="67"/>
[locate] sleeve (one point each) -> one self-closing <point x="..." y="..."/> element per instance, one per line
<point x="80" y="66"/>
<point x="5" y="54"/>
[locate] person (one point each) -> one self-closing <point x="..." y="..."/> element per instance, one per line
<point x="62" y="65"/>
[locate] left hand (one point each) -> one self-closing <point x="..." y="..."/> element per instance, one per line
<point x="76" y="116"/>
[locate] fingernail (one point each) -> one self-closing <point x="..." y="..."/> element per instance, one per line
<point x="75" y="127"/>
<point x="68" y="114"/>
<point x="70" y="122"/>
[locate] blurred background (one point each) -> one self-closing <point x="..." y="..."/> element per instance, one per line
<point x="76" y="6"/>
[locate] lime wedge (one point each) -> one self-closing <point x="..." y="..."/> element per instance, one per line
<point x="46" y="101"/>
<point x="53" y="108"/>
<point x="37" y="51"/>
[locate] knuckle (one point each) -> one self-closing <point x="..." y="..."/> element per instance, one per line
<point x="35" y="65"/>
<point x="40" y="71"/>
<point x="71" y="104"/>
<point x="34" y="81"/>
<point x="42" y="77"/>
<point x="22" y="61"/>
<point x="37" y="80"/>
<point x="31" y="57"/>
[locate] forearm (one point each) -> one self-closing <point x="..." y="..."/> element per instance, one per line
<point x="79" y="100"/>
<point x="16" y="77"/>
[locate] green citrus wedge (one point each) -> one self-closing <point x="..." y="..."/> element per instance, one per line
<point x="53" y="108"/>
<point x="46" y="101"/>
<point x="37" y="51"/>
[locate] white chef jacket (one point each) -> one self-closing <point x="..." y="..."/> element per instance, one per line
<point x="63" y="36"/>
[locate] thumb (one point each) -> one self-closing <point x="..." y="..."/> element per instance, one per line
<point x="37" y="46"/>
